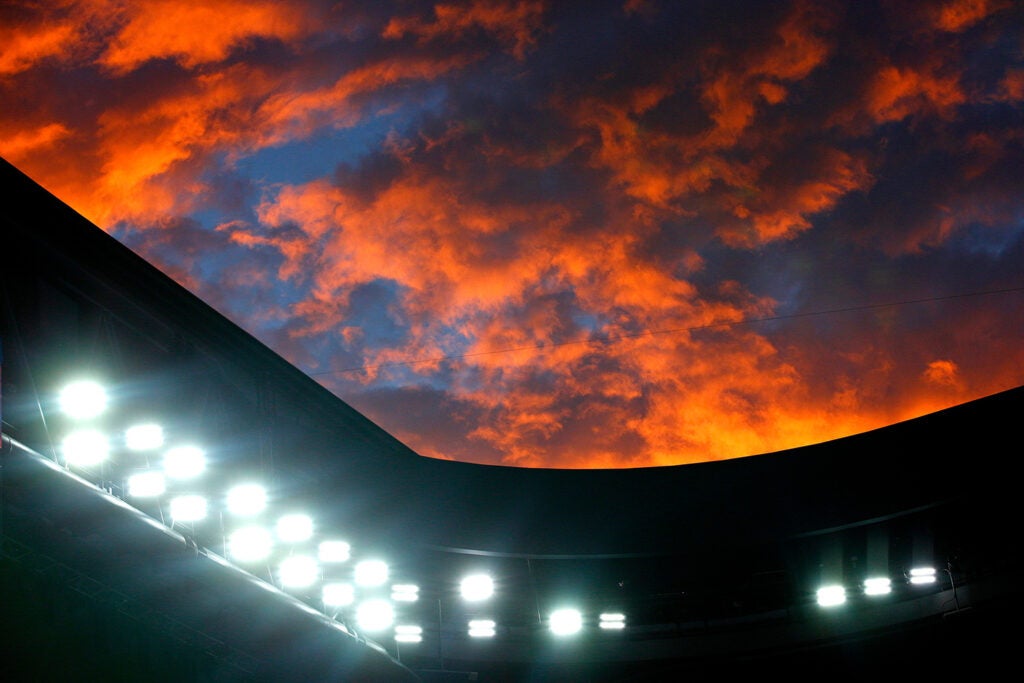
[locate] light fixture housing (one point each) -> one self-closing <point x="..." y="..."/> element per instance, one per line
<point x="565" y="621"/>
<point x="375" y="615"/>
<point x="338" y="594"/>
<point x="246" y="500"/>
<point x="612" y="621"/>
<point x="370" y="573"/>
<point x="334" y="551"/>
<point x="83" y="399"/>
<point x="405" y="592"/>
<point x="481" y="628"/>
<point x="408" y="633"/>
<point x="144" y="437"/>
<point x="85" y="448"/>
<point x="147" y="484"/>
<point x="294" y="528"/>
<point x="250" y="544"/>
<point x="920" y="576"/>
<point x="298" y="571"/>
<point x="188" y="508"/>
<point x="476" y="587"/>
<point x="184" y="462"/>
<point x="831" y="595"/>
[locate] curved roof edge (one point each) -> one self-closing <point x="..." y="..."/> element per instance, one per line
<point x="492" y="509"/>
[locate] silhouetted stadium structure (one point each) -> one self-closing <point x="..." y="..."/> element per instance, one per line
<point x="696" y="571"/>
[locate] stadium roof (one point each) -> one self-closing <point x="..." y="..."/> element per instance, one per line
<point x="77" y="299"/>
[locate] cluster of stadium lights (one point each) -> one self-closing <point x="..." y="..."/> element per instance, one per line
<point x="835" y="594"/>
<point x="250" y="544"/>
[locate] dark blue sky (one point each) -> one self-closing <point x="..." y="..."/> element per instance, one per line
<point x="562" y="234"/>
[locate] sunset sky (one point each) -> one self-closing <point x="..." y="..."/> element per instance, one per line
<point x="562" y="234"/>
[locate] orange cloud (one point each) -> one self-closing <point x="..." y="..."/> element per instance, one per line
<point x="195" y="33"/>
<point x="537" y="262"/>
<point x="516" y="23"/>
<point x="442" y="286"/>
<point x="733" y="91"/>
<point x="942" y="372"/>
<point x="21" y="142"/>
<point x="24" y="47"/>
<point x="295" y="114"/>
<point x="959" y="15"/>
<point x="782" y="211"/>
<point x="1012" y="87"/>
<point x="897" y="93"/>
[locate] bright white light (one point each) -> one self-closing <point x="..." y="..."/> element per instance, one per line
<point x="83" y="399"/>
<point x="188" y="508"/>
<point x="184" y="462"/>
<point x="408" y="633"/>
<point x="338" y="594"/>
<point x="481" y="628"/>
<point x="612" y="620"/>
<point x="371" y="573"/>
<point x="405" y="592"/>
<point x="246" y="500"/>
<point x="922" y="575"/>
<point x="295" y="528"/>
<point x="85" y="448"/>
<point x="375" y="615"/>
<point x="877" y="586"/>
<point x="830" y="596"/>
<point x="145" y="437"/>
<point x="146" y="484"/>
<point x="298" y="571"/>
<point x="477" y="587"/>
<point x="250" y="544"/>
<point x="564" y="622"/>
<point x="335" y="551"/>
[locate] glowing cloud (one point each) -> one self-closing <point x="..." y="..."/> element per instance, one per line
<point x="516" y="232"/>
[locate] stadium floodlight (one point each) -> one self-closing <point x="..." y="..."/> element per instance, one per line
<point x="922" y="575"/>
<point x="147" y="485"/>
<point x="877" y="585"/>
<point x="184" y="462"/>
<point x="369" y="573"/>
<point x="83" y="399"/>
<point x="334" y="551"/>
<point x="375" y="615"/>
<point x="831" y="595"/>
<point x="408" y="633"/>
<point x="612" y="621"/>
<point x="295" y="528"/>
<point x="85" y="448"/>
<point x="298" y="571"/>
<point x="476" y="587"/>
<point x="338" y="594"/>
<point x="188" y="508"/>
<point x="481" y="628"/>
<point x="250" y="544"/>
<point x="405" y="592"/>
<point x="246" y="500"/>
<point x="565" y="621"/>
<point x="144" y="437"/>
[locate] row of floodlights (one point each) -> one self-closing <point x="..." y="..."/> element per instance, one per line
<point x="565" y="621"/>
<point x="89" y="447"/>
<point x="84" y="400"/>
<point x="835" y="594"/>
<point x="376" y="615"/>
